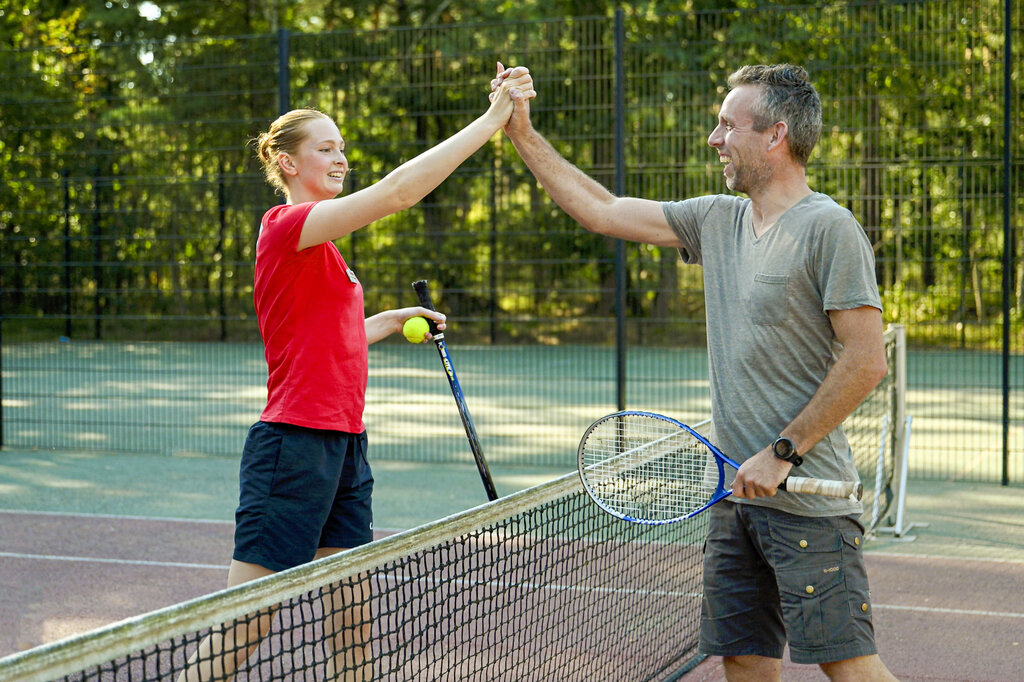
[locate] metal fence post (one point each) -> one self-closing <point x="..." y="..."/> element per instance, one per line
<point x="283" y="73"/>
<point x="97" y="256"/>
<point x="66" y="183"/>
<point x="222" y="214"/>
<point x="620" y="189"/>
<point x="1" y="378"/>
<point x="1008" y="242"/>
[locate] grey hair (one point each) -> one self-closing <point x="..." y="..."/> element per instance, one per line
<point x="786" y="95"/>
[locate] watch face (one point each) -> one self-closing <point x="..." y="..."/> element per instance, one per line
<point x="783" y="447"/>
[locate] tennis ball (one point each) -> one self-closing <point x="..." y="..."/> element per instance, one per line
<point x="415" y="329"/>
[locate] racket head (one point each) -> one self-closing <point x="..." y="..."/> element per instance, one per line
<point x="648" y="468"/>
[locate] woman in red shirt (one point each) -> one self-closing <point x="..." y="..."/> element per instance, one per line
<point x="305" y="483"/>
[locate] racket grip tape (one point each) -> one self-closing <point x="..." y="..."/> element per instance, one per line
<point x="816" y="486"/>
<point x="422" y="290"/>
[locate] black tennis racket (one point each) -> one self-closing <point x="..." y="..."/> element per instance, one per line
<point x="651" y="469"/>
<point x="423" y="292"/>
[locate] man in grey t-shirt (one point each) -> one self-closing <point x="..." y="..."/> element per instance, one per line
<point x="794" y="345"/>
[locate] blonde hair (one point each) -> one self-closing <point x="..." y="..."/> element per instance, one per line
<point x="284" y="135"/>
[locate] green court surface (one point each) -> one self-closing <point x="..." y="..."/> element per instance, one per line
<point x="530" y="404"/>
<point x="406" y="495"/>
<point x="976" y="520"/>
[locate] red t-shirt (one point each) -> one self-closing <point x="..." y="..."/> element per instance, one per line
<point x="309" y="305"/>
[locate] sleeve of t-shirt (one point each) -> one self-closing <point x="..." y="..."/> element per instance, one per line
<point x="282" y="227"/>
<point x="686" y="218"/>
<point x="845" y="266"/>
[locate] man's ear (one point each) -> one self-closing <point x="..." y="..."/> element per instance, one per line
<point x="779" y="132"/>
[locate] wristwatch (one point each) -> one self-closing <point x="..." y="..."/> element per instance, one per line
<point x="784" y="449"/>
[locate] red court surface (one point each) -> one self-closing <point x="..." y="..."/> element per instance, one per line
<point x="937" y="618"/>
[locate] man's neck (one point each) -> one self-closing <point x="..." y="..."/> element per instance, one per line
<point x="768" y="205"/>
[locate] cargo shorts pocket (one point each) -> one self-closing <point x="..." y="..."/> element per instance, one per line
<point x="814" y="605"/>
<point x="810" y="570"/>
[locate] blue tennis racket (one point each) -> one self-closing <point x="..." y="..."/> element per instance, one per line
<point x="651" y="469"/>
<point x="422" y="290"/>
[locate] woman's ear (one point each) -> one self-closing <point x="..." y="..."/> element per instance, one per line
<point x="284" y="160"/>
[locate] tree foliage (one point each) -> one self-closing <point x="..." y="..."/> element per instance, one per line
<point x="130" y="196"/>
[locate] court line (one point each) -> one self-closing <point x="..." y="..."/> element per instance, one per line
<point x="120" y="562"/>
<point x="939" y="557"/>
<point x="85" y="515"/>
<point x="697" y="595"/>
<point x="868" y="552"/>
<point x="956" y="612"/>
<point x="162" y="519"/>
<point x="398" y="579"/>
<point x="222" y="567"/>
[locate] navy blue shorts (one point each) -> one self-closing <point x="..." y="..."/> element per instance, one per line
<point x="772" y="578"/>
<point x="301" y="489"/>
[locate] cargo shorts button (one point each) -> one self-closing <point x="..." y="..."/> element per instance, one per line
<point x="810" y="589"/>
<point x="863" y="607"/>
<point x="803" y="544"/>
<point x="856" y="541"/>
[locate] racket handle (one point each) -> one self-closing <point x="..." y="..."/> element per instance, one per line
<point x="816" y="486"/>
<point x="422" y="290"/>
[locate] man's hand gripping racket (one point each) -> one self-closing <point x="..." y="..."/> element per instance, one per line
<point x="651" y="469"/>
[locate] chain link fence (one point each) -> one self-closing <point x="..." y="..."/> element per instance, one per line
<point x="130" y="200"/>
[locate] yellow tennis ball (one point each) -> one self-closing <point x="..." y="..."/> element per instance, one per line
<point x="415" y="329"/>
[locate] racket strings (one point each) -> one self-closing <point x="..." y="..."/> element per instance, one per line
<point x="646" y="468"/>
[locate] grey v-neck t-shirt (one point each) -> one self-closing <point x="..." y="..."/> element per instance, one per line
<point x="770" y="340"/>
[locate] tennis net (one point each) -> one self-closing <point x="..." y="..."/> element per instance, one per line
<point x="541" y="584"/>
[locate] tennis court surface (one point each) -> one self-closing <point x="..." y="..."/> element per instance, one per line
<point x="540" y="585"/>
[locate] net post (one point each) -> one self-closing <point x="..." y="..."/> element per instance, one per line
<point x="900" y="530"/>
<point x="883" y="444"/>
<point x="900" y="356"/>
<point x="900" y="445"/>
<point x="900" y="435"/>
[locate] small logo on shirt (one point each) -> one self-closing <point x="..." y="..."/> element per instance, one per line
<point x="351" y="276"/>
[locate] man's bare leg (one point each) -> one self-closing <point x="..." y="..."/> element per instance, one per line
<point x="752" y="669"/>
<point x="859" y="669"/>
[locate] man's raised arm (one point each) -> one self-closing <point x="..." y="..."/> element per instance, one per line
<point x="587" y="201"/>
